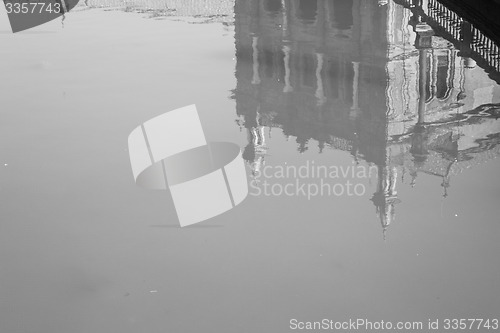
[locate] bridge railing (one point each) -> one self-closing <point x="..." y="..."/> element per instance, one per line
<point x="470" y="40"/>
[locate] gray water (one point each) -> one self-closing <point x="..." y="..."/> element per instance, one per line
<point x="339" y="84"/>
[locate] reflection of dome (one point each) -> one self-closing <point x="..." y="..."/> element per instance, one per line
<point x="249" y="153"/>
<point x="445" y="184"/>
<point x="386" y="198"/>
<point x="385" y="208"/>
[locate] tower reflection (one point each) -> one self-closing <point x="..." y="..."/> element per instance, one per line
<point x="373" y="79"/>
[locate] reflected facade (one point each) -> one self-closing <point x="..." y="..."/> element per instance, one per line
<point x="370" y="78"/>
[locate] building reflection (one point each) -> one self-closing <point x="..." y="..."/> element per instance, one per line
<point x="371" y="78"/>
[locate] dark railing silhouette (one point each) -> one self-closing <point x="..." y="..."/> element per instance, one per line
<point x="470" y="40"/>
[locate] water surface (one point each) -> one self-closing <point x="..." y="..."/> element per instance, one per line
<point x="347" y="85"/>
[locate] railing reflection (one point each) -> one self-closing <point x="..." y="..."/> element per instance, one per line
<point x="470" y="40"/>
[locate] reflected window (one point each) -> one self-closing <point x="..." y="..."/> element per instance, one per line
<point x="280" y="67"/>
<point x="272" y="6"/>
<point x="268" y="62"/>
<point x="443" y="77"/>
<point x="308" y="70"/>
<point x="340" y="12"/>
<point x="333" y="78"/>
<point x="308" y="10"/>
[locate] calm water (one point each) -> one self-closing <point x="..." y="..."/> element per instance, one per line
<point x="409" y="119"/>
